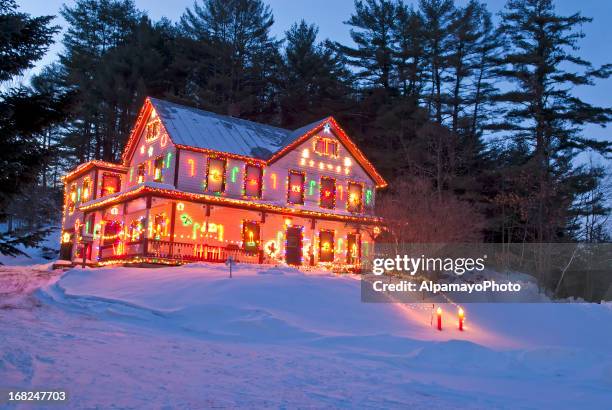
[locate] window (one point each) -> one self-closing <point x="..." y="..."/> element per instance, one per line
<point x="157" y="169"/>
<point x="353" y="251"/>
<point x="160" y="226"/>
<point x="89" y="224"/>
<point x="72" y="197"/>
<point x="252" y="181"/>
<point x="111" y="183"/>
<point x="111" y="232"/>
<point x="354" y="201"/>
<point x="140" y="174"/>
<point x="86" y="189"/>
<point x="326" y="146"/>
<point x="327" y="193"/>
<point x="295" y="188"/>
<point x="326" y="246"/>
<point x="250" y="236"/>
<point x="152" y="131"/>
<point x="215" y="175"/>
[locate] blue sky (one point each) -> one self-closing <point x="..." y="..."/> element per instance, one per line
<point x="330" y="15"/>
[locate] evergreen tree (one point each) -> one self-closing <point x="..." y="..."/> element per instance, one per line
<point x="438" y="17"/>
<point x="24" y="113"/>
<point x="237" y="75"/>
<point x="373" y="26"/>
<point x="410" y="59"/>
<point x="315" y="82"/>
<point x="543" y="114"/>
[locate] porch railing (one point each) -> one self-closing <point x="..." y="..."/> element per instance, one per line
<point x="181" y="252"/>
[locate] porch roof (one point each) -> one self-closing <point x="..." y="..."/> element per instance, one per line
<point x="168" y="191"/>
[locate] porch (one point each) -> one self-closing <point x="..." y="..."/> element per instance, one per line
<point x="177" y="252"/>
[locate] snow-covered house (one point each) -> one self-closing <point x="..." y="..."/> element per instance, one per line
<point x="194" y="185"/>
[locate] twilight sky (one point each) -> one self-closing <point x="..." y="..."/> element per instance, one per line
<point x="329" y="15"/>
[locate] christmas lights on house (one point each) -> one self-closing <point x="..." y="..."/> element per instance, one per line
<point x="209" y="219"/>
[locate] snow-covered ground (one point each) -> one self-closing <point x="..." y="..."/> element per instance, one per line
<point x="191" y="337"/>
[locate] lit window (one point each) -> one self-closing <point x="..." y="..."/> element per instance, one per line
<point x="86" y="189"/>
<point x="250" y="236"/>
<point x="157" y="169"/>
<point x="72" y="197"/>
<point x="295" y="189"/>
<point x="326" y="246"/>
<point x="353" y="252"/>
<point x="110" y="184"/>
<point x="89" y="224"/>
<point x="140" y="174"/>
<point x="327" y="193"/>
<point x="152" y="131"/>
<point x="111" y="233"/>
<point x="354" y="201"/>
<point x="215" y="175"/>
<point x="252" y="181"/>
<point x="326" y="146"/>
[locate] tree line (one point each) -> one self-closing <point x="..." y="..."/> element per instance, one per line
<point x="471" y="117"/>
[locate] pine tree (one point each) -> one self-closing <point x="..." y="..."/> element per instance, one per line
<point x="438" y="17"/>
<point x="373" y="25"/>
<point x="237" y="74"/>
<point x="24" y="113"/>
<point x="315" y="81"/>
<point x="543" y="113"/>
<point x="410" y="59"/>
<point x="95" y="29"/>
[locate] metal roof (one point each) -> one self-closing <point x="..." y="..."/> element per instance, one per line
<point x="203" y="129"/>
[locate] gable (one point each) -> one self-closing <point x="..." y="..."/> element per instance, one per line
<point x="328" y="128"/>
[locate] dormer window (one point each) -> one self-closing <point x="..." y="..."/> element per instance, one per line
<point x="326" y="146"/>
<point x="215" y="175"/>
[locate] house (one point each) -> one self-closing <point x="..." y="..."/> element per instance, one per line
<point x="198" y="186"/>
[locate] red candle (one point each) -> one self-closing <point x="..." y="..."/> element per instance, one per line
<point x="439" y="313"/>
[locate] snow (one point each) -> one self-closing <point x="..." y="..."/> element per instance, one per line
<point x="191" y="337"/>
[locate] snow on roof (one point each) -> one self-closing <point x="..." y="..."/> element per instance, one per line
<point x="203" y="129"/>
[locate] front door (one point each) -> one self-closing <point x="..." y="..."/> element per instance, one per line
<point x="293" y="249"/>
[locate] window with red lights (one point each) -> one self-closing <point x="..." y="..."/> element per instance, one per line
<point x="110" y="184"/>
<point x="111" y="232"/>
<point x="326" y="246"/>
<point x="252" y="181"/>
<point x="140" y="174"/>
<point x="326" y="146"/>
<point x="354" y="202"/>
<point x="158" y="165"/>
<point x="327" y="193"/>
<point x="215" y="175"/>
<point x="250" y="236"/>
<point x="295" y="188"/>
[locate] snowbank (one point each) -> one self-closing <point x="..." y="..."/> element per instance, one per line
<point x="191" y="337"/>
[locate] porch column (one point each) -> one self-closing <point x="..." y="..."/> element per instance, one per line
<point x="172" y="222"/>
<point x="145" y="241"/>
